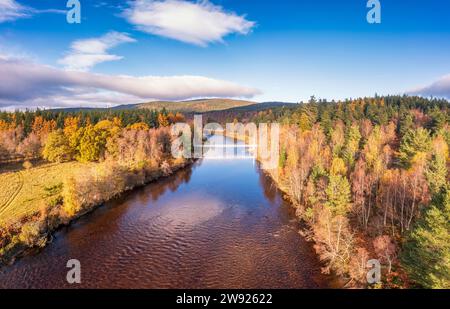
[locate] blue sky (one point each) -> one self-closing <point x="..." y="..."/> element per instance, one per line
<point x="262" y="50"/>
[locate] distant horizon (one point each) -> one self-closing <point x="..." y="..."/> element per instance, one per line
<point x="145" y="50"/>
<point x="43" y="108"/>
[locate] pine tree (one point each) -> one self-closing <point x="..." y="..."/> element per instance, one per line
<point x="413" y="142"/>
<point x="304" y="122"/>
<point x="352" y="141"/>
<point x="436" y="173"/>
<point x="438" y="120"/>
<point x="426" y="254"/>
<point x="406" y="123"/>
<point x="338" y="194"/>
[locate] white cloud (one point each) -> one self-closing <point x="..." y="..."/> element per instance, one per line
<point x="28" y="84"/>
<point x="439" y="88"/>
<point x="85" y="54"/>
<point x="11" y="10"/>
<point x="197" y="23"/>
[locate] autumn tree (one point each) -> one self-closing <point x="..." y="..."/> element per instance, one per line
<point x="92" y="144"/>
<point x="42" y="127"/>
<point x="31" y="146"/>
<point x="162" y="120"/>
<point x="10" y="140"/>
<point x="93" y="139"/>
<point x="139" y="126"/>
<point x="57" y="148"/>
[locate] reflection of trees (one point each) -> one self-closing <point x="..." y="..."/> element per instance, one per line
<point x="269" y="188"/>
<point x="155" y="190"/>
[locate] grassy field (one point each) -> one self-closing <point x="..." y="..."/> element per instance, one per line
<point x="200" y="106"/>
<point x="24" y="191"/>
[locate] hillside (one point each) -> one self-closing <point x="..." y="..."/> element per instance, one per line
<point x="191" y="106"/>
<point x="199" y="106"/>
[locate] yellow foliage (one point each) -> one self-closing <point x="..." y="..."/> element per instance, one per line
<point x="139" y="126"/>
<point x="338" y="167"/>
<point x="6" y="125"/>
<point x="162" y="120"/>
<point x="440" y="147"/>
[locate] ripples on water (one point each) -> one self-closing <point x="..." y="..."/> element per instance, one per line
<point x="218" y="224"/>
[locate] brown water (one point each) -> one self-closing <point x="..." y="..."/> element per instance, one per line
<point x="217" y="224"/>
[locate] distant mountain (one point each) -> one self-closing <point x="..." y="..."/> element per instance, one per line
<point x="197" y="106"/>
<point x="261" y="106"/>
<point x="191" y="106"/>
<point x="77" y="109"/>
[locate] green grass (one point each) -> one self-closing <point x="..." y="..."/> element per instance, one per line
<point x="23" y="192"/>
<point x="200" y="106"/>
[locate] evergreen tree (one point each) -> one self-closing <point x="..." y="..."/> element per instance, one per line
<point x="413" y="142"/>
<point x="438" y="120"/>
<point x="406" y="123"/>
<point x="304" y="122"/>
<point x="351" y="147"/>
<point x="338" y="194"/>
<point x="426" y="254"/>
<point x="436" y="172"/>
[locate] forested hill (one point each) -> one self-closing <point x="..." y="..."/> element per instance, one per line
<point x="192" y="106"/>
<point x="201" y="105"/>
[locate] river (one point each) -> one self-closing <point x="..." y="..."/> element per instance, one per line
<point x="220" y="223"/>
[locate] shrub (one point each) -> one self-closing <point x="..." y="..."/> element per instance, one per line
<point x="31" y="234"/>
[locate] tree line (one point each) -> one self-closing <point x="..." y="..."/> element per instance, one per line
<point x="370" y="176"/>
<point x="62" y="136"/>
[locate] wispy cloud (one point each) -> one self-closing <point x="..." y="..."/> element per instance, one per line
<point x="85" y="54"/>
<point x="439" y="88"/>
<point x="197" y="23"/>
<point x="28" y="84"/>
<point x="11" y="10"/>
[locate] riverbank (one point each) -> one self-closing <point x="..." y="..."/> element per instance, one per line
<point x="309" y="230"/>
<point x="67" y="198"/>
<point x="217" y="224"/>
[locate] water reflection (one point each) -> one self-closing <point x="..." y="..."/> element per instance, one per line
<point x="217" y="224"/>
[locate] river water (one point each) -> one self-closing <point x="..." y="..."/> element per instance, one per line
<point x="218" y="224"/>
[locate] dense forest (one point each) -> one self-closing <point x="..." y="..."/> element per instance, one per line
<point x="371" y="178"/>
<point x="24" y="135"/>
